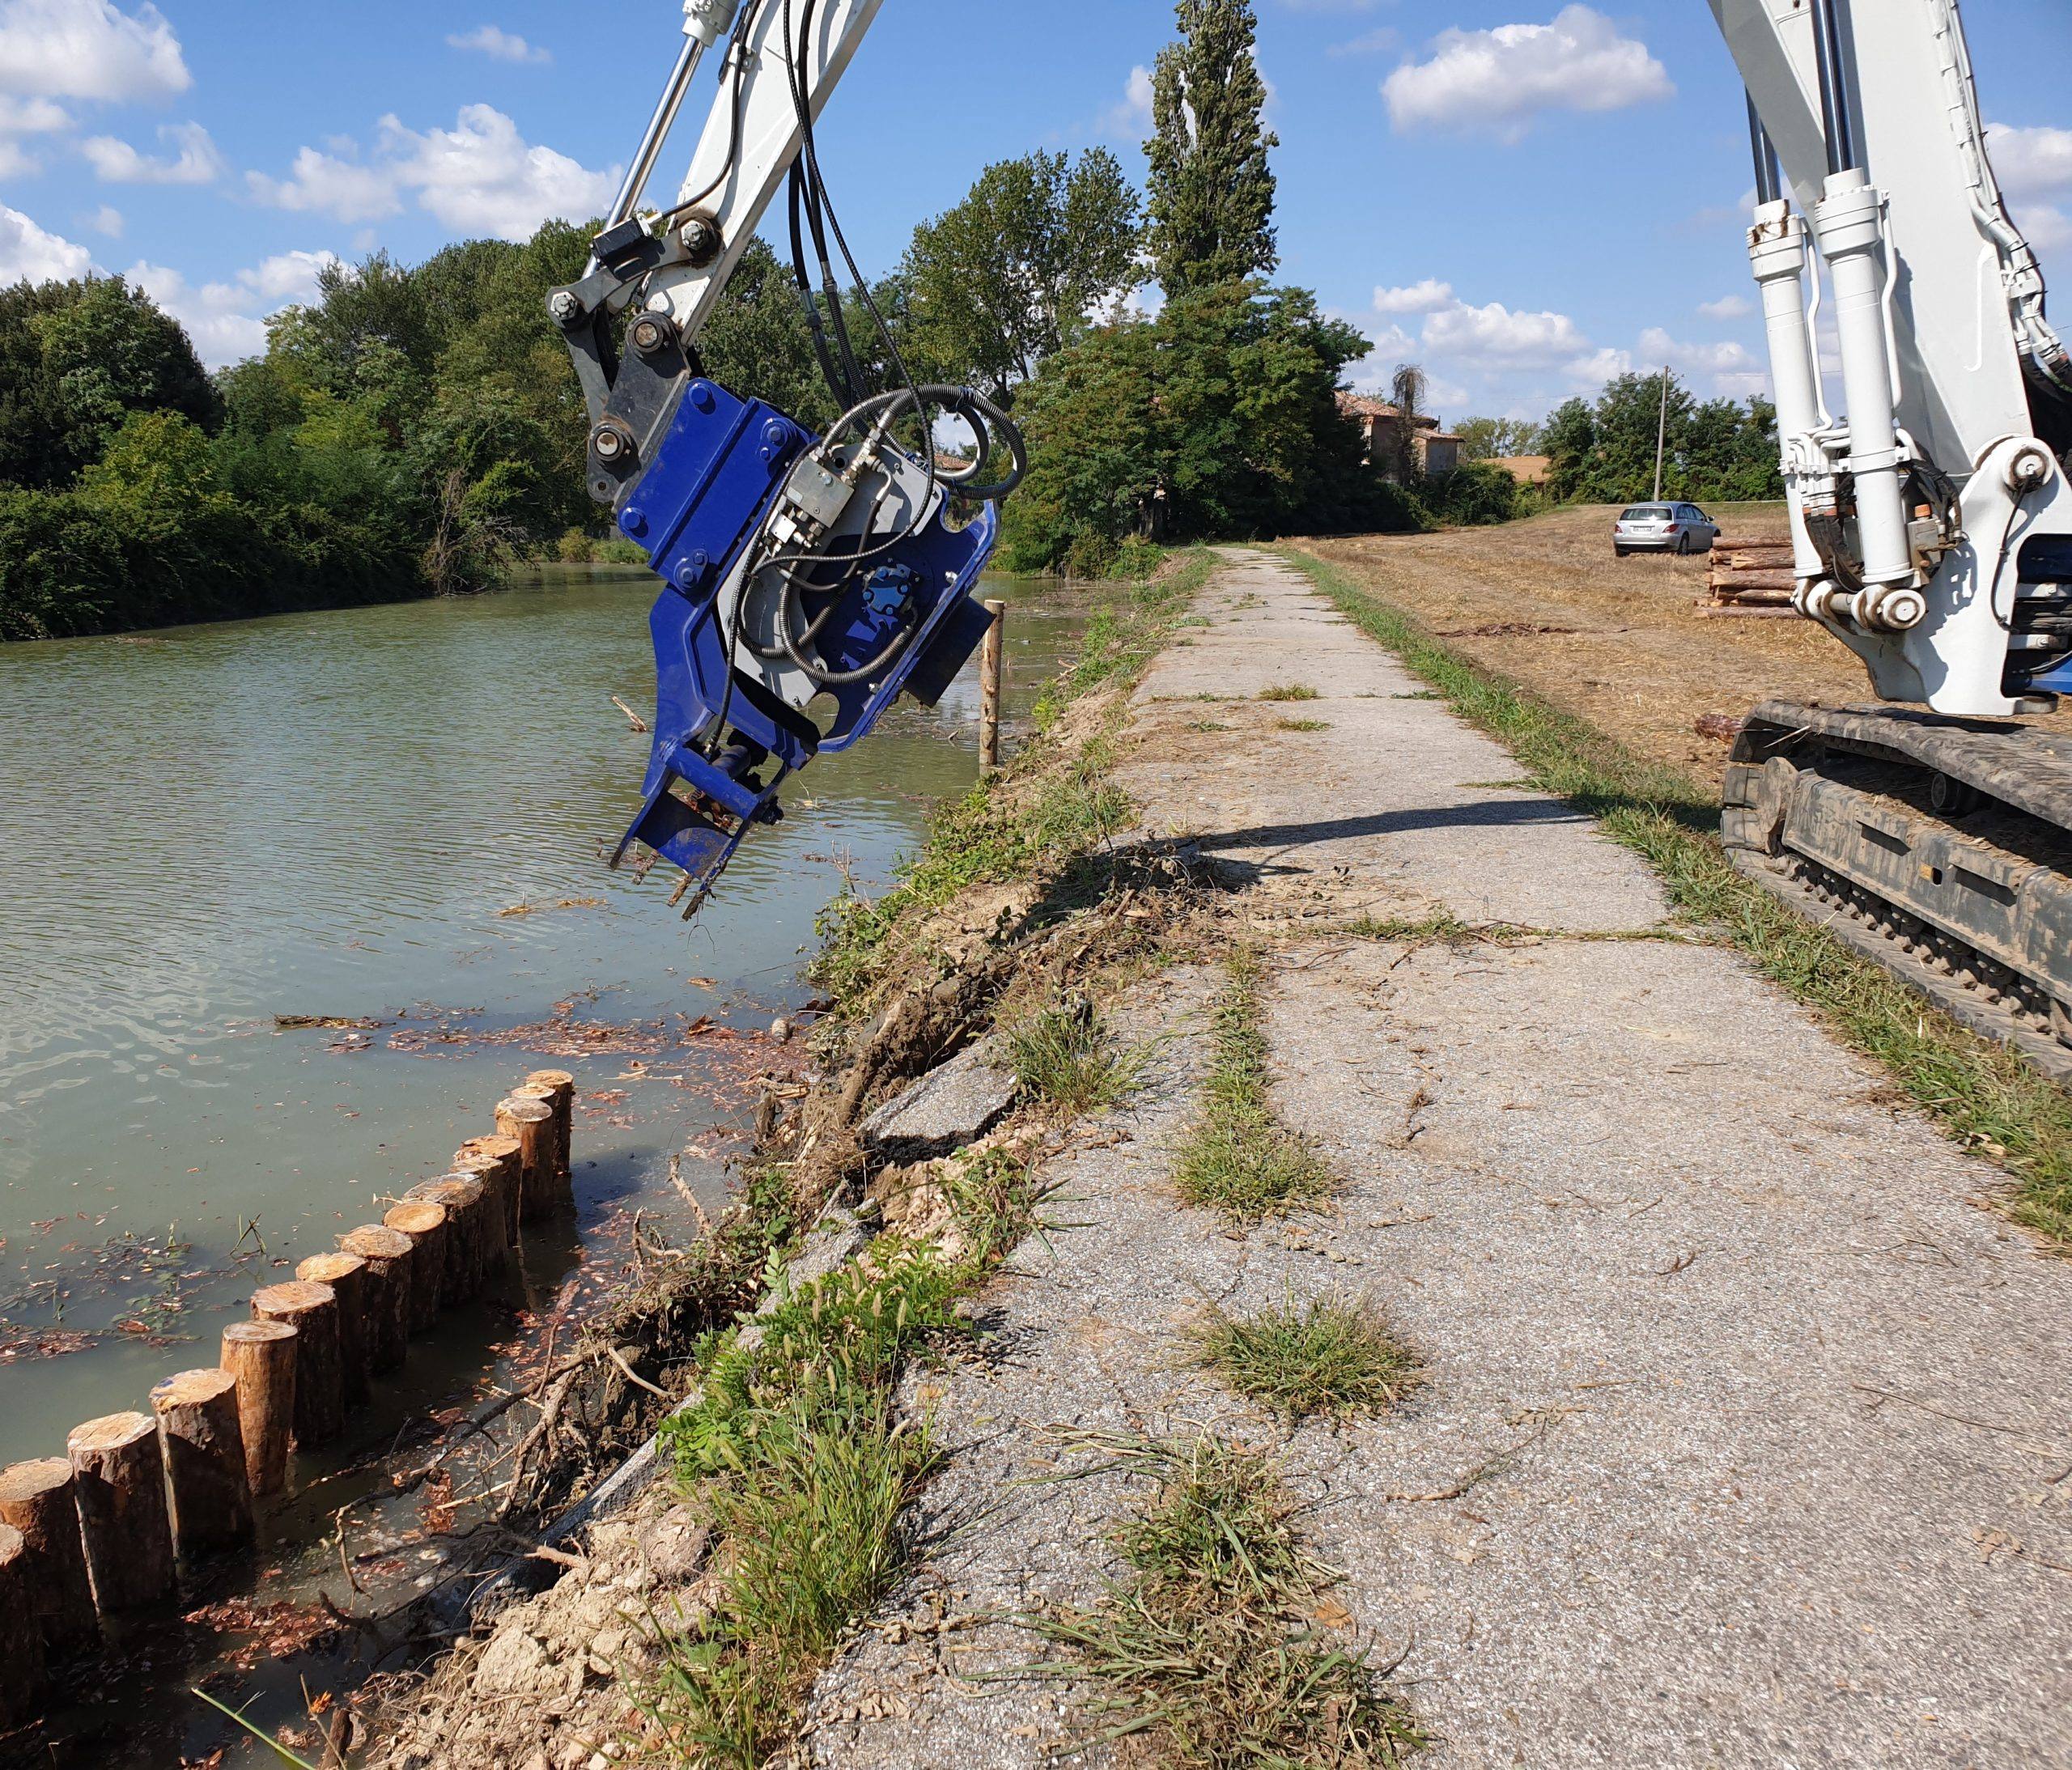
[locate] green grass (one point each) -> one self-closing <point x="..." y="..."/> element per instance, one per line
<point x="1301" y="725"/>
<point x="1984" y="1095"/>
<point x="1067" y="1055"/>
<point x="1288" y="691"/>
<point x="804" y="1467"/>
<point x="1239" y="1159"/>
<point x="1333" y="1357"/>
<point x="1033" y="817"/>
<point x="1209" y="1648"/>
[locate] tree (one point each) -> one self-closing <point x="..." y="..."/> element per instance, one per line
<point x="1604" y="452"/>
<point x="1034" y="251"/>
<point x="1407" y="388"/>
<point x="1212" y="189"/>
<point x="1496" y="439"/>
<point x="76" y="359"/>
<point x="1223" y="408"/>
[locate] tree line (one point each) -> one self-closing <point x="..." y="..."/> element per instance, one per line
<point x="412" y="429"/>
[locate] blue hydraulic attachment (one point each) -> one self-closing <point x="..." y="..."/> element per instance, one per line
<point x="725" y="741"/>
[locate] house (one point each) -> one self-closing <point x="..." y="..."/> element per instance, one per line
<point x="1435" y="451"/>
<point x="1526" y="470"/>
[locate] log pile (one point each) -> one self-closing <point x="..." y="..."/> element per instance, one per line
<point x="1751" y="574"/>
<point x="104" y="1529"/>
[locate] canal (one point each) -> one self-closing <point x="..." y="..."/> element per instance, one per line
<point x="289" y="903"/>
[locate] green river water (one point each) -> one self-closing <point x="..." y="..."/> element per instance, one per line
<point x="389" y="815"/>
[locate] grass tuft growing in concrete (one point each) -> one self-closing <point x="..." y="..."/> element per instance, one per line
<point x="1301" y="725"/>
<point x="1985" y="1096"/>
<point x="1240" y="1159"/>
<point x="1210" y="1648"/>
<point x="1068" y="1055"/>
<point x="1289" y="691"/>
<point x="1335" y="1357"/>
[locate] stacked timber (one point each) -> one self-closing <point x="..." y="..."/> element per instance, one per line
<point x="1751" y="574"/>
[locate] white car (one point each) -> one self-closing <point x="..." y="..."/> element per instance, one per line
<point x="1663" y="529"/>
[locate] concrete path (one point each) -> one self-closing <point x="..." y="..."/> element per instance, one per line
<point x="1747" y="1435"/>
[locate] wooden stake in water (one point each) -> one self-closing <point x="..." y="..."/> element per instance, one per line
<point x="123" y="1519"/>
<point x="204" y="1444"/>
<point x="425" y="1224"/>
<point x="36" y="1498"/>
<point x="990" y="666"/>
<point x="22" y="1678"/>
<point x="261" y="1355"/>
<point x="346" y="1274"/>
<point x="389" y="1255"/>
<point x="320" y="1382"/>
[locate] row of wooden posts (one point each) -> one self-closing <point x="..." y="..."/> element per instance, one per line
<point x="100" y="1532"/>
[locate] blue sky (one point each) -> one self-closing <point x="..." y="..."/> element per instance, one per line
<point x="1523" y="196"/>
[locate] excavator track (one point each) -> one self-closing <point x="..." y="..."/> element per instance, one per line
<point x="1940" y="848"/>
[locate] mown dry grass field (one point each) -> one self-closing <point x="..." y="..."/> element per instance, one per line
<point x="1619" y="643"/>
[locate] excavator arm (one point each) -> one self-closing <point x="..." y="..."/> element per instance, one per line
<point x="809" y="580"/>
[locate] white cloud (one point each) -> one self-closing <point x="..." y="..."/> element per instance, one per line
<point x="498" y="45"/>
<point x="20" y="116"/>
<point x="2030" y="162"/>
<point x="228" y="320"/>
<point x="1503" y="78"/>
<point x="327" y="185"/>
<point x="89" y="49"/>
<point x="1131" y="119"/>
<point x="480" y="176"/>
<point x="1729" y="368"/>
<point x="1732" y="306"/>
<point x="2046" y="228"/>
<point x="106" y="221"/>
<point x="1375" y="42"/>
<point x="1428" y="296"/>
<point x="28" y="254"/>
<point x="195" y="159"/>
<point x="1586" y="374"/>
<point x="1496" y="333"/>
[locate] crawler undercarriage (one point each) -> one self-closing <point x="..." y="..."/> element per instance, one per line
<point x="1942" y="848"/>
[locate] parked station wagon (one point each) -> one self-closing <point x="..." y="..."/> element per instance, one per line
<point x="1663" y="529"/>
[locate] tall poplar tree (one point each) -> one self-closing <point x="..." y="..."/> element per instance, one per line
<point x="1212" y="189"/>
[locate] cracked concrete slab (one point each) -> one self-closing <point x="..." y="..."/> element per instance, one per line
<point x="1746" y="1439"/>
<point x="1397" y="807"/>
<point x="1754" y="1430"/>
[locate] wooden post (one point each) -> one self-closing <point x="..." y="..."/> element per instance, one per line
<point x="120" y="1486"/>
<point x="498" y="1171"/>
<point x="990" y="661"/>
<point x="319" y="1390"/>
<point x="469" y="1255"/>
<point x="346" y="1274"/>
<point x="262" y="1357"/>
<point x="36" y="1498"/>
<point x="497" y="1160"/>
<point x="425" y="1225"/>
<point x="204" y="1444"/>
<point x="561" y="1095"/>
<point x="22" y="1678"/>
<point x="388" y="1255"/>
<point x="531" y="1122"/>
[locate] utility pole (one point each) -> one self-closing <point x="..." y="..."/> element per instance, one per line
<point x="1661" y="433"/>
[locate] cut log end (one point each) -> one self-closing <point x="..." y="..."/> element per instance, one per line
<point x="36" y="1498"/>
<point x="205" y="1461"/>
<point x="262" y="1357"/>
<point x="123" y="1519"/>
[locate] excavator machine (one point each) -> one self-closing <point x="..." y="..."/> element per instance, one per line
<point x="809" y="581"/>
<point x="1931" y="521"/>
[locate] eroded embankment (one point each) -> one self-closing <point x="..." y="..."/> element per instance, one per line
<point x="1396" y="1281"/>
